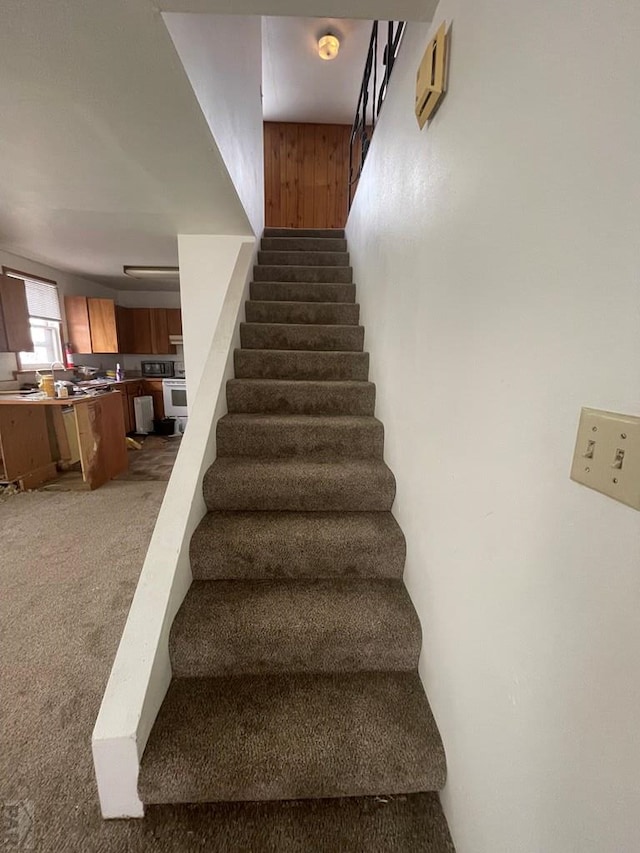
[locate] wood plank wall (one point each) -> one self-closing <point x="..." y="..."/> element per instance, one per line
<point x="306" y="169"/>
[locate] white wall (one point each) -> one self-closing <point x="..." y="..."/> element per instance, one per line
<point x="222" y="56"/>
<point x="496" y="255"/>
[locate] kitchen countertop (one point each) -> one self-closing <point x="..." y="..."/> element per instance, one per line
<point x="76" y="400"/>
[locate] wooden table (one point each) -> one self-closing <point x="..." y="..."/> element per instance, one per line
<point x="35" y="434"/>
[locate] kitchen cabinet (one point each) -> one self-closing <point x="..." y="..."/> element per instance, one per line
<point x="91" y="324"/>
<point x="15" y="330"/>
<point x="124" y="323"/>
<point x="159" y="331"/>
<point x="76" y="311"/>
<point x="174" y="321"/>
<point x="129" y="390"/>
<point x="141" y="330"/>
<point x="154" y="389"/>
<point x="102" y="324"/>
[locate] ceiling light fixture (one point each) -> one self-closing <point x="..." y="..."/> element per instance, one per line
<point x="328" y="46"/>
<point x="152" y="272"/>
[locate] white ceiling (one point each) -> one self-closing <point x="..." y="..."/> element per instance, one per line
<point x="104" y="152"/>
<point x="397" y="10"/>
<point x="299" y="86"/>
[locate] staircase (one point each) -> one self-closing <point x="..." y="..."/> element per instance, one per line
<point x="295" y="651"/>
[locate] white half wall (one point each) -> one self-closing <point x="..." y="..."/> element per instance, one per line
<point x="141" y="672"/>
<point x="497" y="261"/>
<point x="206" y="264"/>
<point x="222" y="56"/>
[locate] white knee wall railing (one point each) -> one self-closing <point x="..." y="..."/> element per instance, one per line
<point x="141" y="672"/>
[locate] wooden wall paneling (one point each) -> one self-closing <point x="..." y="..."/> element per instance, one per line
<point x="332" y="174"/>
<point x="306" y="174"/>
<point x="309" y="173"/>
<point x="284" y="187"/>
<point x="320" y="218"/>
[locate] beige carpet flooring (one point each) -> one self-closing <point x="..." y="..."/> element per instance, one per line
<point x="69" y="562"/>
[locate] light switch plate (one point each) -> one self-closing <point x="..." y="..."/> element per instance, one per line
<point x="607" y="455"/>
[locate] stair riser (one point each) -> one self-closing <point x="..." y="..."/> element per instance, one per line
<point x="300" y="398"/>
<point x="294" y="545"/>
<point x="294" y="364"/>
<point x="304" y="337"/>
<point x="302" y="292"/>
<point x="316" y="233"/>
<point x="322" y="313"/>
<point x="311" y="441"/>
<point x="258" y="491"/>
<point x="304" y="259"/>
<point x="303" y="244"/>
<point x="328" y="275"/>
<point x="282" y="627"/>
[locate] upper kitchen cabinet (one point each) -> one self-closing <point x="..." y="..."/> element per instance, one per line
<point x="15" y="331"/>
<point x="140" y="330"/>
<point x="102" y="323"/>
<point x="174" y="321"/>
<point x="150" y="330"/>
<point x="91" y="324"/>
<point x="159" y="331"/>
<point x="100" y="326"/>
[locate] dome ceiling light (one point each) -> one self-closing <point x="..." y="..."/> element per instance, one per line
<point x="328" y="47"/>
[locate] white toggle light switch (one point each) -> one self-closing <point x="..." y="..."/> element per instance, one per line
<point x="607" y="455"/>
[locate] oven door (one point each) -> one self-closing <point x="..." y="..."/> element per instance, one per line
<point x="174" y="392"/>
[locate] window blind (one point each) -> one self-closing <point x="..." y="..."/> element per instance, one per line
<point x="42" y="298"/>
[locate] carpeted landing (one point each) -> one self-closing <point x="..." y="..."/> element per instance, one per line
<point x="295" y="710"/>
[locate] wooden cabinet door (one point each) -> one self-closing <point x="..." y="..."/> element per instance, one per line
<point x="154" y="388"/>
<point x="124" y="326"/>
<point x="141" y="331"/>
<point x="77" y="313"/>
<point x="15" y="315"/>
<point x="174" y="321"/>
<point x="159" y="331"/>
<point x="102" y="322"/>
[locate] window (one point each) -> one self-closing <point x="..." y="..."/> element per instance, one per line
<point x="44" y="318"/>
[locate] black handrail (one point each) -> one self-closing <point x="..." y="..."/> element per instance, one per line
<point x="360" y="128"/>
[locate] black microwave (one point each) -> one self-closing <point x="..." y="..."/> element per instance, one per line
<point x="162" y="369"/>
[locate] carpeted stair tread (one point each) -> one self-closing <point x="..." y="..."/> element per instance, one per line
<point x="301" y="364"/>
<point x="323" y="313"/>
<point x="321" y="625"/>
<point x="303" y="258"/>
<point x="300" y="397"/>
<point x="283" y="737"/>
<point x="302" y="336"/>
<point x="272" y="485"/>
<point x="303" y="244"/>
<point x="316" y="233"/>
<point x="309" y="436"/>
<point x="413" y="823"/>
<point x="288" y="272"/>
<point x="262" y="545"/>
<point x="302" y="291"/>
